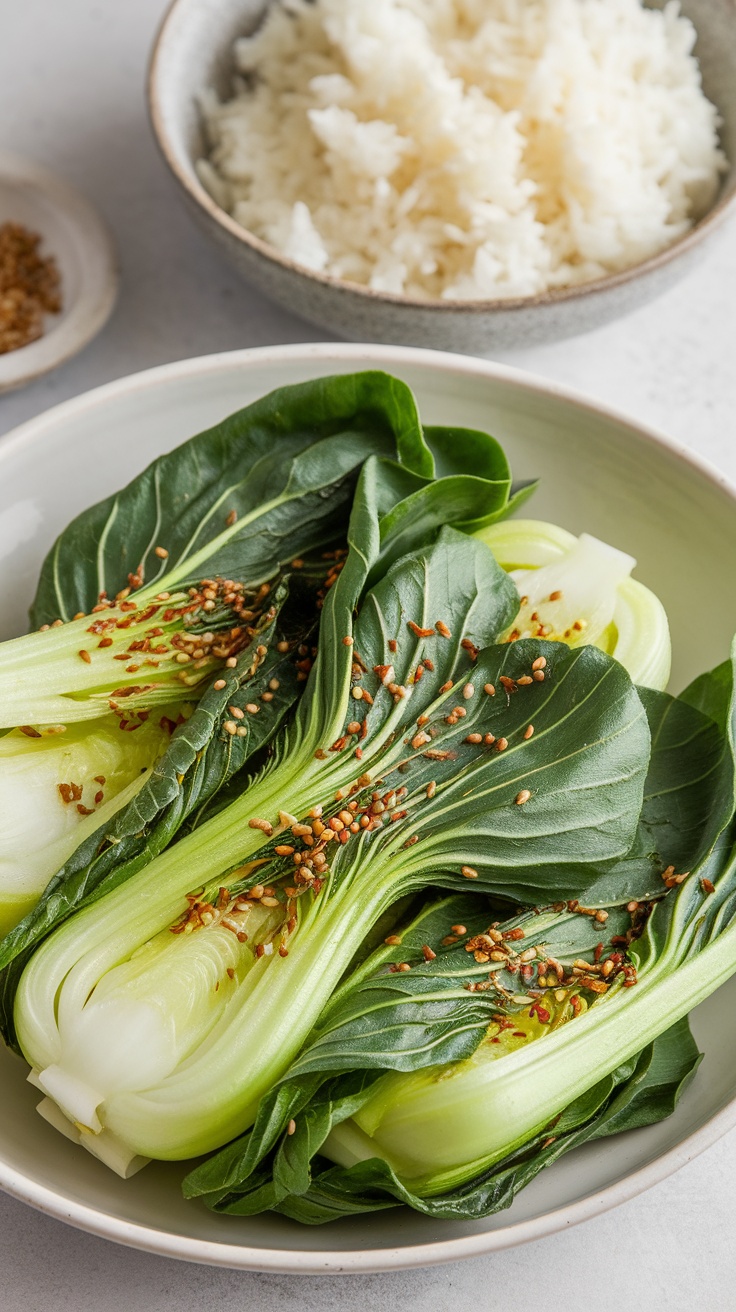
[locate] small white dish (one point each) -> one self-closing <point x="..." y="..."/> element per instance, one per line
<point x="75" y="235"/>
<point x="598" y="471"/>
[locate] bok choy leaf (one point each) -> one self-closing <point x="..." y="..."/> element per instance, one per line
<point x="164" y="582"/>
<point x="184" y="994"/>
<point x="442" y="1027"/>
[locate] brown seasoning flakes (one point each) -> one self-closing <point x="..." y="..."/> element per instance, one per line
<point x="29" y="287"/>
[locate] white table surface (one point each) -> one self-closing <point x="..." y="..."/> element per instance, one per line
<point x="72" y="96"/>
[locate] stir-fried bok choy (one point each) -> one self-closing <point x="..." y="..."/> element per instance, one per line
<point x="448" y="1082"/>
<point x="472" y="1050"/>
<point x="419" y="754"/>
<point x="202" y="579"/>
<point x="377" y="864"/>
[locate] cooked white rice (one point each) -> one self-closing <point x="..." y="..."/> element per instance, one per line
<point x="465" y="149"/>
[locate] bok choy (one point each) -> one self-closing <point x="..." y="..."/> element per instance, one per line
<point x="578" y="1030"/>
<point x="76" y="779"/>
<point x="148" y="592"/>
<point x="580" y="590"/>
<point x="419" y="754"/>
<point x="251" y="502"/>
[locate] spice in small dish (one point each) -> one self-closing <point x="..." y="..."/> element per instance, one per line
<point x="30" y="287"/>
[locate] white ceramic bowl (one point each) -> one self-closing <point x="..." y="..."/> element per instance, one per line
<point x="599" y="471"/>
<point x="75" y="235"/>
<point x="193" y="53"/>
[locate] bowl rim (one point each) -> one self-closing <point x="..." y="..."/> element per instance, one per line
<point x="721" y="209"/>
<point x="84" y="317"/>
<point x="304" y="1261"/>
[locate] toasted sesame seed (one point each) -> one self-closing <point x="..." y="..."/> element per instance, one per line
<point x="264" y="825"/>
<point x="442" y="629"/>
<point x="236" y="711"/>
<point x="393" y="941"/>
<point x="529" y="731"/>
<point x="474" y="738"/>
<point x="230" y="726"/>
<point x="231" y="662"/>
<point x="468" y="872"/>
<point x="86" y="657"/>
<point x="524" y="680"/>
<point x="538" y="676"/>
<point x="522" y="797"/>
<point x="291" y="1127"/>
<point x="218" y="685"/>
<point x="274" y="685"/>
<point x="489" y="688"/>
<point x="501" y="744"/>
<point x="347" y="642"/>
<point x="468" y="691"/>
<point x="601" y="917"/>
<point x="251" y="708"/>
<point x="707" y="886"/>
<point x="540" y="663"/>
<point x="459" y="929"/>
<point x="427" y="952"/>
<point x="269" y="902"/>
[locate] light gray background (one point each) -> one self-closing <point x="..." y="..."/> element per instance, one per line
<point x="72" y="96"/>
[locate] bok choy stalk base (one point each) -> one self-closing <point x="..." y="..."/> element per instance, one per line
<point x="411" y="750"/>
<point x="580" y="590"/>
<point x="58" y="786"/>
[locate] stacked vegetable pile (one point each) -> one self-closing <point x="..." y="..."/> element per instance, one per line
<point x="410" y="888"/>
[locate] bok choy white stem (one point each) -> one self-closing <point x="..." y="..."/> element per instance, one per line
<point x="580" y="591"/>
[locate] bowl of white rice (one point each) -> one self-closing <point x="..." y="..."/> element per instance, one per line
<point x="463" y="174"/>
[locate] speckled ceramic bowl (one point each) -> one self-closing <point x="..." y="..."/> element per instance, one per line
<point x="193" y="52"/>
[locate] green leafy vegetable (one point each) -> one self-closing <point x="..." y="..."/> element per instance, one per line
<point x="300" y="449"/>
<point x="414" y="1022"/>
<point x="443" y="1026"/>
<point x="224" y="1008"/>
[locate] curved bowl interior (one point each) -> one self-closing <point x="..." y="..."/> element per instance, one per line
<point x="598" y="472"/>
